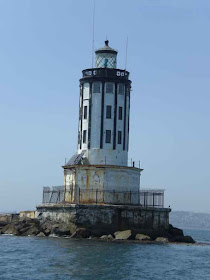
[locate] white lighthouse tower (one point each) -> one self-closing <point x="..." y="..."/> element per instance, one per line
<point x="101" y="162"/>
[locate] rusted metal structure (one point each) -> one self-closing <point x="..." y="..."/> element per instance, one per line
<point x="144" y="198"/>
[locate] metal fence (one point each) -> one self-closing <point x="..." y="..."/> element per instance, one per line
<point x="144" y="198"/>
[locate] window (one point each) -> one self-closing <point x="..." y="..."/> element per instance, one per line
<point x="86" y="89"/>
<point x="119" y="137"/>
<point x="108" y="136"/>
<point x="120" y="113"/>
<point x="96" y="87"/>
<point x="108" y="112"/>
<point x="121" y="88"/>
<point x="85" y="112"/>
<point x="84" y="136"/>
<point x="109" y="88"/>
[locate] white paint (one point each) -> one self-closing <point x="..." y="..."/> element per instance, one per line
<point x="106" y="155"/>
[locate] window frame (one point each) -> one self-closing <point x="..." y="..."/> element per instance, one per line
<point x="109" y="83"/>
<point x="84" y="136"/>
<point x="108" y="138"/>
<point x="119" y="137"/>
<point x="108" y="112"/>
<point x="85" y="112"/>
<point x="120" y="113"/>
<point x="94" y="83"/>
<point x="118" y="89"/>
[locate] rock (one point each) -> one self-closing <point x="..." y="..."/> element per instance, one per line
<point x="46" y="227"/>
<point x="184" y="239"/>
<point x="173" y="231"/>
<point x="142" y="237"/>
<point x="107" y="237"/>
<point x="10" y="229"/>
<point x="162" y="239"/>
<point x="72" y="227"/>
<point x="28" y="227"/>
<point x="81" y="233"/>
<point x="60" y="229"/>
<point x="122" y="235"/>
<point x="41" y="234"/>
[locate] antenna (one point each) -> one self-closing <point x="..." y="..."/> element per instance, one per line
<point x="126" y="52"/>
<point x="93" y="31"/>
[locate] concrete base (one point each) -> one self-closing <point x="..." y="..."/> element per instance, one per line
<point x="106" y="219"/>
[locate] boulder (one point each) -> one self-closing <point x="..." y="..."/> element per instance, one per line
<point x="142" y="237"/>
<point x="32" y="230"/>
<point x="46" y="227"/>
<point x="122" y="235"/>
<point x="81" y="233"/>
<point x="162" y="239"/>
<point x="173" y="231"/>
<point x="107" y="237"/>
<point x="41" y="234"/>
<point x="28" y="227"/>
<point x="184" y="239"/>
<point x="60" y="229"/>
<point x="10" y="229"/>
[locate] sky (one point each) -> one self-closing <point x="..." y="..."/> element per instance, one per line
<point x="44" y="46"/>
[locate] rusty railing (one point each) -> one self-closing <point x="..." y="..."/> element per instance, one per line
<point x="144" y="198"/>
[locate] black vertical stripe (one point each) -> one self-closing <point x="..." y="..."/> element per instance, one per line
<point x="124" y="129"/>
<point x="128" y="119"/>
<point x="80" y="116"/>
<point x="102" y="117"/>
<point x="115" y="119"/>
<point x="89" y="117"/>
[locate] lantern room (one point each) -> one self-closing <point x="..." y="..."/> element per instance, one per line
<point x="106" y="57"/>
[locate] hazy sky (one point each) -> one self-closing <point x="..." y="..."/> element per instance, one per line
<point x="45" y="44"/>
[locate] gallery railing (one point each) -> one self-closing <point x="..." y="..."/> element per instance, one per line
<point x="145" y="198"/>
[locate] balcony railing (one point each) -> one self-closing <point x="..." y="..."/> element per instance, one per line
<point x="144" y="198"/>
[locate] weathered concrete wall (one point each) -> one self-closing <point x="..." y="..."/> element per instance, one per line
<point x="57" y="213"/>
<point x="101" y="178"/>
<point x="104" y="219"/>
<point x="8" y="218"/>
<point x="27" y="215"/>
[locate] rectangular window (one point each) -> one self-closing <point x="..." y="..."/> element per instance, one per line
<point x="120" y="113"/>
<point x="86" y="91"/>
<point x="96" y="87"/>
<point x="85" y="113"/>
<point x="109" y="88"/>
<point x="84" y="136"/>
<point x="121" y="88"/>
<point x="108" y="112"/>
<point x="108" y="136"/>
<point x="119" y="137"/>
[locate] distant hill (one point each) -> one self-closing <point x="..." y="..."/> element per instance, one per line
<point x="184" y="219"/>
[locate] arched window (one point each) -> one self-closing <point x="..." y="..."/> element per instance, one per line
<point x="109" y="88"/>
<point x="121" y="88"/>
<point x="97" y="87"/>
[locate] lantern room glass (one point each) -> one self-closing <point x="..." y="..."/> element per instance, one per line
<point x="106" y="60"/>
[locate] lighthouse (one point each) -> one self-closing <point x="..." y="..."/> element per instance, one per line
<point x="101" y="191"/>
<point x="100" y="163"/>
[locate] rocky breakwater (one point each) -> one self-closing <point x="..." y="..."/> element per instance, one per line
<point x="16" y="225"/>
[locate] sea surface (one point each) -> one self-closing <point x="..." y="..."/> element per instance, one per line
<point x="34" y="258"/>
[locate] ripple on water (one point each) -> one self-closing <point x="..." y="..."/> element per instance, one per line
<point x="34" y="258"/>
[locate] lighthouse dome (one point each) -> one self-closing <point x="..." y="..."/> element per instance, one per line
<point x="106" y="57"/>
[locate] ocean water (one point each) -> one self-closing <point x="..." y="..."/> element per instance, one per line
<point x="34" y="258"/>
